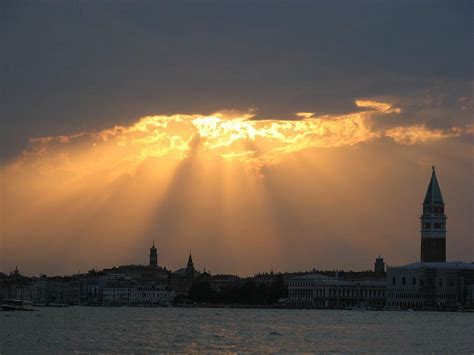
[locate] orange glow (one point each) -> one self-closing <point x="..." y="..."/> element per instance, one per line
<point x="187" y="180"/>
<point x="231" y="135"/>
<point x="422" y="134"/>
<point x="378" y="106"/>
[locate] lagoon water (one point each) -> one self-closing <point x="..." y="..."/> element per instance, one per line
<point x="124" y="329"/>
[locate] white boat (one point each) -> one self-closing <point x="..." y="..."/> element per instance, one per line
<point x="16" y="305"/>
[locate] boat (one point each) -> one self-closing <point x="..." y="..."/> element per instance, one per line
<point x="16" y="305"/>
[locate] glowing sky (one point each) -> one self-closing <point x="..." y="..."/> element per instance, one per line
<point x="214" y="129"/>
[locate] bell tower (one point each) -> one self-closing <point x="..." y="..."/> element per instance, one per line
<point x="433" y="224"/>
<point x="153" y="257"/>
<point x="190" y="269"/>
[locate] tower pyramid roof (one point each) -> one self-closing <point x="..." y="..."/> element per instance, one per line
<point x="433" y="194"/>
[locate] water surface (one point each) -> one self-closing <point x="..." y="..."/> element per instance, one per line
<point x="123" y="329"/>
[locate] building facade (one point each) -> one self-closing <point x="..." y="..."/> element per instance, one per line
<point x="51" y="290"/>
<point x="430" y="286"/>
<point x="138" y="295"/>
<point x="319" y="291"/>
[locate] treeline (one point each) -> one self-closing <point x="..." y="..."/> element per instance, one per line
<point x="247" y="292"/>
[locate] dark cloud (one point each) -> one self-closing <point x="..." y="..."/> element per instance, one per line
<point x="71" y="66"/>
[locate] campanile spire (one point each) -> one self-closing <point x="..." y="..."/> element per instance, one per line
<point x="433" y="224"/>
<point x="153" y="256"/>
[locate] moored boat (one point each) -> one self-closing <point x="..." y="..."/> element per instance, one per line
<point x="16" y="305"/>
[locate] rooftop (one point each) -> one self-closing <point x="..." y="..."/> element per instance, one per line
<point x="433" y="194"/>
<point x="312" y="277"/>
<point x="457" y="265"/>
<point x="326" y="280"/>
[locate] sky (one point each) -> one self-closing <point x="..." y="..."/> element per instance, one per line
<point x="259" y="135"/>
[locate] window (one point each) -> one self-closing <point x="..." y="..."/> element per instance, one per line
<point x="427" y="225"/>
<point x="394" y="281"/>
<point x="426" y="210"/>
<point x="404" y="281"/>
<point x="413" y="281"/>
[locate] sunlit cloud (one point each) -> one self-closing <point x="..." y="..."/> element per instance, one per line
<point x="419" y="133"/>
<point x="381" y="107"/>
<point x="305" y="114"/>
<point x="231" y="135"/>
<point x="228" y="134"/>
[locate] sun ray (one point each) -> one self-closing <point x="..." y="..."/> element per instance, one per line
<point x="143" y="181"/>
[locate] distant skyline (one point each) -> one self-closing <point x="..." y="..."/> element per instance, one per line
<point x="261" y="135"/>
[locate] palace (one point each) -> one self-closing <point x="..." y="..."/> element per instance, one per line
<point x="431" y="283"/>
<point x="320" y="291"/>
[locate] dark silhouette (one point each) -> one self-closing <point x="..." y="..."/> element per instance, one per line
<point x="433" y="224"/>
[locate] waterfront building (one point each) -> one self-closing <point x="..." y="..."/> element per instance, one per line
<point x="38" y="291"/>
<point x="10" y="283"/>
<point x="48" y="290"/>
<point x="92" y="286"/>
<point x="141" y="273"/>
<point x="470" y="295"/>
<point x="155" y="296"/>
<point x="120" y="295"/>
<point x="137" y="295"/>
<point x="320" y="291"/>
<point x="433" y="224"/>
<point x="429" y="285"/>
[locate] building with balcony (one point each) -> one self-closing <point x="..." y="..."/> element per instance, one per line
<point x="319" y="291"/>
<point x="430" y="285"/>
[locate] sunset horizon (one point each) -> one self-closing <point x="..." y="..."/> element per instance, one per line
<point x="236" y="176"/>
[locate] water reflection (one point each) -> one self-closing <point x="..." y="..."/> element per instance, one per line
<point x="125" y="329"/>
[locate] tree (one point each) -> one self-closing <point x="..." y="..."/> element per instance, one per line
<point x="201" y="291"/>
